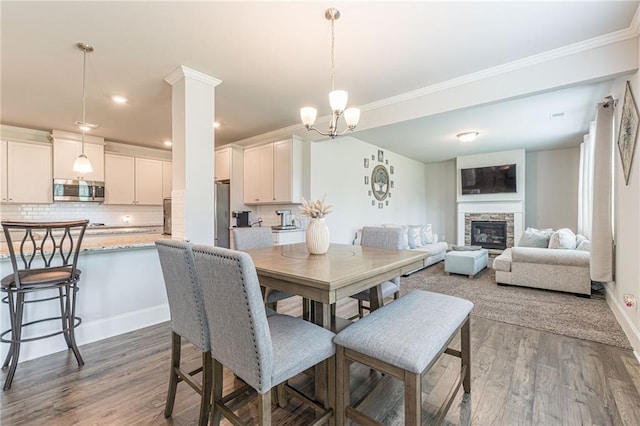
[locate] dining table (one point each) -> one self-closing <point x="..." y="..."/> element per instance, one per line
<point x="325" y="279"/>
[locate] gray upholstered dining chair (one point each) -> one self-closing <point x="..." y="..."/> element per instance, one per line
<point x="264" y="352"/>
<point x="188" y="320"/>
<point x="44" y="258"/>
<point x="382" y="237"/>
<point x="252" y="238"/>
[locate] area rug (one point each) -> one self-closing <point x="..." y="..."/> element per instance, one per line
<point x="560" y="313"/>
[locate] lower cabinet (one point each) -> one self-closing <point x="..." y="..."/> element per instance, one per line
<point x="132" y="180"/>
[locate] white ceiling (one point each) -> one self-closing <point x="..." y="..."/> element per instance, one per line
<point x="273" y="58"/>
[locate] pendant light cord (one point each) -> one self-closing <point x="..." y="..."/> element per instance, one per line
<point x="84" y="111"/>
<point x="333" y="20"/>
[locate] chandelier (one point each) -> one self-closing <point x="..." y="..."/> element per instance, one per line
<point x="82" y="163"/>
<point x="337" y="98"/>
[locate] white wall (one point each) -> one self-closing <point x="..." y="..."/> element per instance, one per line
<point x="552" y="189"/>
<point x="337" y="170"/>
<point x="441" y="199"/>
<point x="627" y="227"/>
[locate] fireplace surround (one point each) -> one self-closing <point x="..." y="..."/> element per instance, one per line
<point x="492" y="221"/>
<point x="489" y="234"/>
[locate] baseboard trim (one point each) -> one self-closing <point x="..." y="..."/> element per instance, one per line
<point x="632" y="332"/>
<point x="93" y="331"/>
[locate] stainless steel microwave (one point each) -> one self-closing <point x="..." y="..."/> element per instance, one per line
<point x="78" y="190"/>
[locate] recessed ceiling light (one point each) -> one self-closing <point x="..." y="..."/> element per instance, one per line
<point x="216" y="124"/>
<point x="167" y="143"/>
<point x="119" y="99"/>
<point x="556" y="115"/>
<point x="467" y="136"/>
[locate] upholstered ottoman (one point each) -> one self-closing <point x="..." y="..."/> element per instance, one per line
<point x="466" y="262"/>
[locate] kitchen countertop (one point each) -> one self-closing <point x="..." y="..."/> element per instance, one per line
<point x="98" y="242"/>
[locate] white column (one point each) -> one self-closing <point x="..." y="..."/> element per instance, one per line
<point x="192" y="116"/>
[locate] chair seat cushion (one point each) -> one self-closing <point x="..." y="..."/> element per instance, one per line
<point x="40" y="277"/>
<point x="388" y="289"/>
<point x="410" y="332"/>
<point x="297" y="345"/>
<point x="277" y="295"/>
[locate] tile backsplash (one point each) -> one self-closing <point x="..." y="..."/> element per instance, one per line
<point x="96" y="213"/>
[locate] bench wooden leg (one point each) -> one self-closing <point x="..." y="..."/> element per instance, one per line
<point x="465" y="355"/>
<point x="412" y="399"/>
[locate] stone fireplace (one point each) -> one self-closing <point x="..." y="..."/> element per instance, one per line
<point x="489" y="230"/>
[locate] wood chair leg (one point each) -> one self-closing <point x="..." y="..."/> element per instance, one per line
<point x="331" y="388"/>
<point x="264" y="409"/>
<point x="216" y="413"/>
<point x="207" y="383"/>
<point x="412" y="399"/>
<point x="465" y="354"/>
<point x="360" y="309"/>
<point x="281" y="396"/>
<point x="173" y="375"/>
<point x="343" y="388"/>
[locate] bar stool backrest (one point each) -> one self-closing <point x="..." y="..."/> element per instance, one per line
<point x="43" y="245"/>
<point x="251" y="238"/>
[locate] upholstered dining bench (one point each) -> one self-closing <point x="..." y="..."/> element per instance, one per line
<point x="403" y="340"/>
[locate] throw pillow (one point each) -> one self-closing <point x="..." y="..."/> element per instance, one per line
<point x="579" y="239"/>
<point x="427" y="235"/>
<point x="533" y="237"/>
<point x="585" y="245"/>
<point x="563" y="239"/>
<point x="414" y="234"/>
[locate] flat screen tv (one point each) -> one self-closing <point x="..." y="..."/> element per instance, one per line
<point x="489" y="180"/>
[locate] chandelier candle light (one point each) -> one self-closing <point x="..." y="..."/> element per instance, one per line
<point x="317" y="234"/>
<point x="337" y="98"/>
<point x="82" y="163"/>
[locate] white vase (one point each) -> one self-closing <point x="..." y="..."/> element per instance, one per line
<point x="317" y="236"/>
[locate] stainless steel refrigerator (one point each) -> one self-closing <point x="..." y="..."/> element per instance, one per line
<point x="222" y="214"/>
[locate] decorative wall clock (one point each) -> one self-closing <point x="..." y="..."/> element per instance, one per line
<point x="379" y="182"/>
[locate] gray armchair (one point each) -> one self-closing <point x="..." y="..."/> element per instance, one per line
<point x="188" y="320"/>
<point x="382" y="237"/>
<point x="264" y="352"/>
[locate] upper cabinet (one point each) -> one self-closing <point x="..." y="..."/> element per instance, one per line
<point x="222" y="169"/>
<point x="133" y="180"/>
<point x="275" y="173"/>
<point x="25" y="172"/>
<point x="65" y="152"/>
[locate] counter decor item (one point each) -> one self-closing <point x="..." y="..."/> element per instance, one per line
<point x="317" y="234"/>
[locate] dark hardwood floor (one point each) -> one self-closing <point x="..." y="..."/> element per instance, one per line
<point x="520" y="376"/>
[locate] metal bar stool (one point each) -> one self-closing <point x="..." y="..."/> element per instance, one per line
<point x="44" y="256"/>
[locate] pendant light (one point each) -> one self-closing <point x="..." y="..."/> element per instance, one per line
<point x="337" y="98"/>
<point x="82" y="163"/>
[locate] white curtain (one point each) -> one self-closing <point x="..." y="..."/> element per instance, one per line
<point x="601" y="229"/>
<point x="585" y="183"/>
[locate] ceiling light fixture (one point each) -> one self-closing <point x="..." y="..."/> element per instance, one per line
<point x="119" y="99"/>
<point x="82" y="163"/>
<point x="167" y="143"/>
<point x="216" y="125"/>
<point x="337" y="98"/>
<point x="467" y="136"/>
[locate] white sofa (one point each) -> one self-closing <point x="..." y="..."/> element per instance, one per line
<point x="560" y="269"/>
<point x="428" y="242"/>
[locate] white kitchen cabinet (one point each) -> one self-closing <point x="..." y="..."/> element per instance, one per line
<point x="275" y="173"/>
<point x="148" y="181"/>
<point x="258" y="175"/>
<point x="119" y="179"/>
<point x="65" y="153"/>
<point x="223" y="164"/>
<point x="133" y="180"/>
<point x="26" y="173"/>
<point x="288" y="237"/>
<point x="167" y="179"/>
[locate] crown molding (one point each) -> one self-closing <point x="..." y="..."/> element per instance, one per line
<point x="630" y="32"/>
<point x="186" y="72"/>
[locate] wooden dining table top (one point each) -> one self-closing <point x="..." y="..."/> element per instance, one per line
<point x="343" y="271"/>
